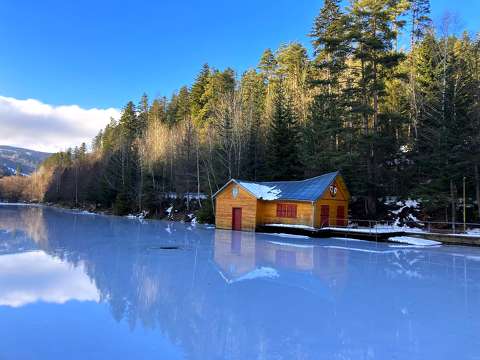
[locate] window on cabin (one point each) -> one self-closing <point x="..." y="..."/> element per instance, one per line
<point x="286" y="210"/>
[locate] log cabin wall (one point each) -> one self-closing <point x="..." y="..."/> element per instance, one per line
<point x="225" y="202"/>
<point x="267" y="213"/>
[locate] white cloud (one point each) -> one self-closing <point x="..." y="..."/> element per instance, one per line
<point x="31" y="277"/>
<point x="35" y="125"/>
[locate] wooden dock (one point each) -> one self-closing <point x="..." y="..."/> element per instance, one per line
<point x="371" y="234"/>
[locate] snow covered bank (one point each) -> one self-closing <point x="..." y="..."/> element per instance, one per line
<point x="363" y="230"/>
<point x="414" y="241"/>
<point x="19" y="204"/>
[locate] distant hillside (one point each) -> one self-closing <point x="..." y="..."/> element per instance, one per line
<point x="26" y="160"/>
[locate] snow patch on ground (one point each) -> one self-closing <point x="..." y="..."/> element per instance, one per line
<point x="19" y="204"/>
<point x="86" y="212"/>
<point x="370" y="251"/>
<point x="364" y="230"/>
<point x="190" y="195"/>
<point x="414" y="241"/>
<point x="399" y="246"/>
<point x="405" y="213"/>
<point x="461" y="234"/>
<point x="140" y="216"/>
<point x="193" y="219"/>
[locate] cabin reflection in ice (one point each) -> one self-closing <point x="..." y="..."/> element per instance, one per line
<point x="241" y="255"/>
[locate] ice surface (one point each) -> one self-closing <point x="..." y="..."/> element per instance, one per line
<point x="291" y="244"/>
<point x="76" y="286"/>
<point x="291" y="236"/>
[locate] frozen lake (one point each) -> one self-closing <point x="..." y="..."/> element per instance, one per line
<point x="79" y="286"/>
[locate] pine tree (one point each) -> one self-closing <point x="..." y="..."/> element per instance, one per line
<point x="253" y="93"/>
<point x="268" y="64"/>
<point x="142" y="117"/>
<point x="283" y="147"/>
<point x="375" y="25"/>
<point x="97" y="142"/>
<point x="294" y="67"/>
<point x="157" y="112"/>
<point x="331" y="42"/>
<point x="198" y="99"/>
<point x="82" y="151"/>
<point x="128" y="123"/>
<point x="420" y="21"/>
<point x="420" y="24"/>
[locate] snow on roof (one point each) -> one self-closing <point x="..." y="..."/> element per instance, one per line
<point x="264" y="192"/>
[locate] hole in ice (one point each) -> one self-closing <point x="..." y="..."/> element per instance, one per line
<point x="165" y="247"/>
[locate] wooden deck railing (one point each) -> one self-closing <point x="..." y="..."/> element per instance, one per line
<point x="410" y="226"/>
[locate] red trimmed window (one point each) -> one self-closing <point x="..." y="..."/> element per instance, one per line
<point x="286" y="210"/>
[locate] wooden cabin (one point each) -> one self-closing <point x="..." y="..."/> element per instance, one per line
<point x="317" y="202"/>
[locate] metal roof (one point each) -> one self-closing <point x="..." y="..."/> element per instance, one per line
<point x="301" y="190"/>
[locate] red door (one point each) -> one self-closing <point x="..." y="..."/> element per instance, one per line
<point x="324" y="215"/>
<point x="237" y="219"/>
<point x="341" y="216"/>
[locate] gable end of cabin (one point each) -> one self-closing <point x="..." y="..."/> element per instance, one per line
<point x="331" y="209"/>
<point x="235" y="208"/>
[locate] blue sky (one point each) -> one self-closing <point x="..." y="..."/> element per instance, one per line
<point x="103" y="53"/>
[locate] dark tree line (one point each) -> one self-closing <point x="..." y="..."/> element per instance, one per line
<point x="396" y="122"/>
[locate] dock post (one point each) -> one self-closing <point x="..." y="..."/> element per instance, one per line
<point x="464" y="208"/>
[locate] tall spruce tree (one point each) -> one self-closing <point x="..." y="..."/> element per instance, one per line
<point x="142" y="116"/>
<point x="283" y="147"/>
<point x="198" y="100"/>
<point x="253" y="92"/>
<point x="331" y="43"/>
<point x="375" y="25"/>
<point x="420" y="24"/>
